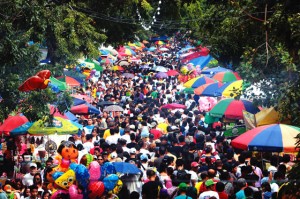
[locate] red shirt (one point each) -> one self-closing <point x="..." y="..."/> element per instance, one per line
<point x="223" y="195"/>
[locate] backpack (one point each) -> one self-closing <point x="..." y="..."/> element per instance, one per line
<point x="181" y="175"/>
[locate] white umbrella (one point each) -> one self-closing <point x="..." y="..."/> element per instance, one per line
<point x="164" y="49"/>
<point x="113" y="108"/>
<point x="160" y="69"/>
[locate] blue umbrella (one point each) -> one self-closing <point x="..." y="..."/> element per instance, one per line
<point x="212" y="71"/>
<point x="126" y="168"/>
<point x="77" y="101"/>
<point x="201" y="61"/>
<point x="84" y="109"/>
<point x="21" y="130"/>
<point x="71" y="116"/>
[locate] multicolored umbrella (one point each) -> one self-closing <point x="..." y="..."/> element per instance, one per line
<point x="174" y="106"/>
<point x="82" y="97"/>
<point x="212" y="71"/>
<point x="84" y="109"/>
<point x="232" y="109"/>
<point x="227" y="76"/>
<point x="59" y="84"/>
<point x="60" y="126"/>
<point x="208" y="89"/>
<point x="128" y="75"/>
<point x="201" y="81"/>
<point x="21" y="130"/>
<point x="271" y="138"/>
<point x="119" y="68"/>
<point x="189" y="83"/>
<point x="106" y="61"/>
<point x="70" y="81"/>
<point x="231" y="89"/>
<point x="161" y="75"/>
<point x="159" y="43"/>
<point x="173" y="73"/>
<point x="11" y="123"/>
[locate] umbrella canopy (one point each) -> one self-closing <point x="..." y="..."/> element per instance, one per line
<point x="212" y="71"/>
<point x="70" y="81"/>
<point x="77" y="101"/>
<point x="161" y="75"/>
<point x="231" y="89"/>
<point x="232" y="108"/>
<point x="128" y="75"/>
<point x="93" y="65"/>
<point x="113" y="108"/>
<point x="188" y="90"/>
<point x="208" y="89"/>
<point x="66" y="115"/>
<point x="159" y="42"/>
<point x="117" y="68"/>
<point x="126" y="168"/>
<point x="227" y="76"/>
<point x="82" y="97"/>
<point x="152" y="48"/>
<point x="11" y="123"/>
<point x="272" y="138"/>
<point x="160" y="69"/>
<point x="164" y="49"/>
<point x="201" y="61"/>
<point x="105" y="103"/>
<point x="201" y="81"/>
<point x="60" y="126"/>
<point x="123" y="63"/>
<point x="21" y="130"/>
<point x="174" y="106"/>
<point x="106" y="61"/>
<point x="173" y="72"/>
<point x="59" y="84"/>
<point x="189" y="83"/>
<point x="84" y="109"/>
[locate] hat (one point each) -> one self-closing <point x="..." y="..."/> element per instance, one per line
<point x="194" y="164"/>
<point x="209" y="182"/>
<point x="7" y="188"/>
<point x="153" y="124"/>
<point x="145" y="133"/>
<point x="132" y="151"/>
<point x="32" y="165"/>
<point x="144" y="157"/>
<point x="132" y="127"/>
<point x="113" y="155"/>
<point x="182" y="186"/>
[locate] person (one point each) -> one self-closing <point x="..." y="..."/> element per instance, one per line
<point x="150" y="188"/>
<point x="37" y="180"/>
<point x="46" y="194"/>
<point x="220" y="188"/>
<point x="242" y="184"/>
<point x="209" y="184"/>
<point x="33" y="192"/>
<point x="28" y="177"/>
<point x="182" y="188"/>
<point x="2" y="192"/>
<point x="25" y="193"/>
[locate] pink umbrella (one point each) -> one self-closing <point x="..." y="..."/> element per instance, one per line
<point x="82" y="97"/>
<point x="11" y="123"/>
<point x="174" y="106"/>
<point x="161" y="75"/>
<point x="172" y="73"/>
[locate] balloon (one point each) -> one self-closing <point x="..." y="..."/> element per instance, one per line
<point x="110" y="182"/>
<point x="65" y="163"/>
<point x="95" y="171"/>
<point x="58" y="193"/>
<point x="107" y="169"/>
<point x="118" y="187"/>
<point x="73" y="192"/>
<point x="66" y="180"/>
<point x="38" y="81"/>
<point x="82" y="174"/>
<point x="68" y="151"/>
<point x="96" y="189"/>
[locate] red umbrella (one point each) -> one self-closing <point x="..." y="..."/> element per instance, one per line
<point x="11" y="123"/>
<point x="203" y="52"/>
<point x="84" y="109"/>
<point x="174" y="106"/>
<point x="172" y="73"/>
<point x="82" y="97"/>
<point x="70" y="81"/>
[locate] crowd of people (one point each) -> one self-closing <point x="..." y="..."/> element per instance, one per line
<point x="182" y="159"/>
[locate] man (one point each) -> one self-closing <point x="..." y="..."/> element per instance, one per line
<point x="242" y="184"/>
<point x="89" y="127"/>
<point x="209" y="184"/>
<point x="28" y="177"/>
<point x="150" y="188"/>
<point x="2" y="193"/>
<point x="88" y="145"/>
<point x="102" y="125"/>
<point x="182" y="188"/>
<point x="193" y="172"/>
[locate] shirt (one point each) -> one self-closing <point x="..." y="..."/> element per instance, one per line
<point x="208" y="194"/>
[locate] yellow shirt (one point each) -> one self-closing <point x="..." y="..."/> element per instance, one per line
<point x="106" y="133"/>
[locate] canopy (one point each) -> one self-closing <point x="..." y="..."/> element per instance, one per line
<point x="61" y="85"/>
<point x="227" y="76"/>
<point x="70" y="81"/>
<point x="212" y="71"/>
<point x="12" y="122"/>
<point x="84" y="109"/>
<point x="201" y="61"/>
<point x="208" y="89"/>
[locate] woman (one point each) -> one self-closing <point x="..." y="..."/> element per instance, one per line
<point x="46" y="194"/>
<point x="26" y="193"/>
<point x="37" y="180"/>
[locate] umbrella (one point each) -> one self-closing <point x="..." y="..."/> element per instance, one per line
<point x="201" y="81"/>
<point x="123" y="63"/>
<point x="93" y="65"/>
<point x="226" y="76"/>
<point x="189" y="83"/>
<point x="66" y="115"/>
<point x="164" y="49"/>
<point x="173" y="72"/>
<point x="82" y="97"/>
<point x="212" y="71"/>
<point x="174" y="106"/>
<point x="201" y="61"/>
<point x="11" y="123"/>
<point x="189" y="90"/>
<point x="152" y="48"/>
<point x="231" y="89"/>
<point x="232" y="108"/>
<point x="117" y="68"/>
<point x="21" y="130"/>
<point x="126" y="168"/>
<point x="70" y="81"/>
<point x="106" y="61"/>
<point x="61" y="85"/>
<point x="159" y="42"/>
<point x="84" y="109"/>
<point x="77" y="101"/>
<point x="161" y="75"/>
<point x="128" y="75"/>
<point x="105" y="103"/>
<point x="272" y="138"/>
<point x="113" y="108"/>
<point x="208" y="89"/>
<point x="60" y="126"/>
<point x="160" y="69"/>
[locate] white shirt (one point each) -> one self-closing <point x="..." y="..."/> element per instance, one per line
<point x="27" y="179"/>
<point x="112" y="139"/>
<point x="208" y="194"/>
<point x="194" y="175"/>
<point x="88" y="145"/>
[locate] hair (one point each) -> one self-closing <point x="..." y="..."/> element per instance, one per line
<point x="32" y="187"/>
<point x="220" y="186"/>
<point x="267" y="186"/>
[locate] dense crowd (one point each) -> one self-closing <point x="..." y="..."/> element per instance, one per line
<point x="178" y="154"/>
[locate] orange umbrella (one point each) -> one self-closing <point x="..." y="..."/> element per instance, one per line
<point x="70" y="81"/>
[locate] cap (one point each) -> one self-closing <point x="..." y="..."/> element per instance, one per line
<point x="194" y="164"/>
<point x="153" y="124"/>
<point x="32" y="165"/>
<point x="182" y="186"/>
<point x="132" y="151"/>
<point x="113" y="155"/>
<point x="7" y="188"/>
<point x="209" y="182"/>
<point x="144" y="157"/>
<point x="132" y="127"/>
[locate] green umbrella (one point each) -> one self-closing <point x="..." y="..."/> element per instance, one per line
<point x="188" y="90"/>
<point x="61" y="85"/>
<point x="97" y="67"/>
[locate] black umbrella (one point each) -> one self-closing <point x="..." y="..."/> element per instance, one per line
<point x="106" y="103"/>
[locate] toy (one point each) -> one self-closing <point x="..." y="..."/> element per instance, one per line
<point x="38" y="81"/>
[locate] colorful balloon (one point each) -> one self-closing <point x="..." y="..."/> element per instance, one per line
<point x="95" y="171"/>
<point x="66" y="180"/>
<point x="96" y="189"/>
<point x="73" y="192"/>
<point x="110" y="182"/>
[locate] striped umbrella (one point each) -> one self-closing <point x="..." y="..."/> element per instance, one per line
<point x="231" y="89"/>
<point x="208" y="89"/>
<point x="227" y="76"/>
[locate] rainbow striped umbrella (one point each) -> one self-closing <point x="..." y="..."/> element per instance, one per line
<point x="272" y="138"/>
<point x="227" y="76"/>
<point x="189" y="83"/>
<point x="208" y="89"/>
<point x="159" y="42"/>
<point x="231" y="89"/>
<point x="203" y="80"/>
<point x="232" y="109"/>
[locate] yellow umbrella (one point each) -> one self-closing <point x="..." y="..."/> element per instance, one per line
<point x="189" y="83"/>
<point x="163" y="127"/>
<point x="231" y="89"/>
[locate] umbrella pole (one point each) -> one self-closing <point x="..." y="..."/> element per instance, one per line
<point x="262" y="161"/>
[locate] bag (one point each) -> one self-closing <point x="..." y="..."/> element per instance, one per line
<point x="181" y="175"/>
